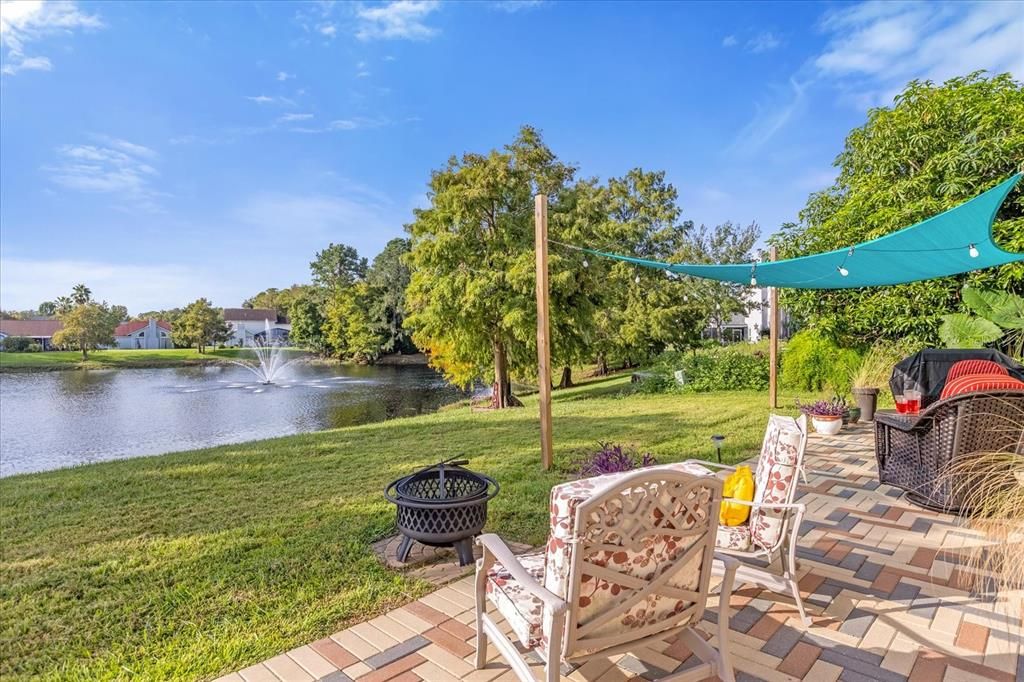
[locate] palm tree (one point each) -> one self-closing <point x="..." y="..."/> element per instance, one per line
<point x="81" y="294"/>
<point x="63" y="304"/>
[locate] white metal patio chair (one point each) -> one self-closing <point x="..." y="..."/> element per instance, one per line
<point x="772" y="531"/>
<point x="628" y="562"/>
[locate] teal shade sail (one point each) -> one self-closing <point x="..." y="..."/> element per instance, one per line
<point x="955" y="241"/>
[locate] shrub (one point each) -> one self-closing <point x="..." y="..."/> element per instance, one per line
<point x="722" y="368"/>
<point x="611" y="459"/>
<point x="16" y="344"/>
<point x="34" y="348"/>
<point x="813" y="362"/>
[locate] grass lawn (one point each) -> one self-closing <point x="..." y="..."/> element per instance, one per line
<point x="116" y="358"/>
<point x="198" y="563"/>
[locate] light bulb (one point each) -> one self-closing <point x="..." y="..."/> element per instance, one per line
<point x="843" y="271"/>
<point x="753" y="281"/>
<point x="637" y="279"/>
<point x="686" y="299"/>
<point x="973" y="251"/>
<point x="586" y="263"/>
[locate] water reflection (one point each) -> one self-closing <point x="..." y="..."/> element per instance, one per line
<point x="55" y="419"/>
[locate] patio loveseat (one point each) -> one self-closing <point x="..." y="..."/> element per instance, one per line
<point x="914" y="452"/>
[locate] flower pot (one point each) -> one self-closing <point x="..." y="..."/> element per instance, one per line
<point x="867" y="400"/>
<point x="852" y="416"/>
<point x="828" y="425"/>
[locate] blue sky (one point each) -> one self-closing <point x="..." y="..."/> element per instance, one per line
<point x="160" y="152"/>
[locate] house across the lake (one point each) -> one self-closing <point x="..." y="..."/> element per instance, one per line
<point x="143" y="334"/>
<point x="39" y="331"/>
<point x="249" y="325"/>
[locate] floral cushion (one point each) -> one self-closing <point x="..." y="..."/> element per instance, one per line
<point x="520" y="608"/>
<point x="733" y="537"/>
<point x="657" y="553"/>
<point x="775" y="479"/>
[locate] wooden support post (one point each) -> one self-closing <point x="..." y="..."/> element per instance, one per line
<point x="773" y="340"/>
<point x="540" y="218"/>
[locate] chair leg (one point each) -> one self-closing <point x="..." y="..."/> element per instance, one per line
<point x="790" y="569"/>
<point x="553" y="664"/>
<point x="481" y="605"/>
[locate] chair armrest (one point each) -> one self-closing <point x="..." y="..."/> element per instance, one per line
<point x="800" y="506"/>
<point x="497" y="548"/>
<point x="705" y="463"/>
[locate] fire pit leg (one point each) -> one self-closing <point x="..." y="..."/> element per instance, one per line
<point x="464" y="548"/>
<point x="403" y="549"/>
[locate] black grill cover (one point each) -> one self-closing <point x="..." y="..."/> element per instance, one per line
<point x="927" y="369"/>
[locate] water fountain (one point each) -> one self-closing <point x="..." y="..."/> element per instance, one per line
<point x="269" y="357"/>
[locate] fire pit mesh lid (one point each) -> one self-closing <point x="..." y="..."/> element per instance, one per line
<point x="443" y="483"/>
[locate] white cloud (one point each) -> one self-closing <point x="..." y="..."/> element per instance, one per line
<point x="290" y="118"/>
<point x="875" y="48"/>
<point x="329" y="30"/>
<point x="390" y="58"/>
<point x="512" y="6"/>
<point x="260" y="99"/>
<point x="28" y="21"/>
<point x="111" y="166"/>
<point x="402" y="19"/>
<point x="770" y="116"/>
<point x="763" y="42"/>
<point x="729" y="41"/>
<point x="25" y="283"/>
<point x="284" y="75"/>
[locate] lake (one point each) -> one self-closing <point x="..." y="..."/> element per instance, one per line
<point x="50" y="420"/>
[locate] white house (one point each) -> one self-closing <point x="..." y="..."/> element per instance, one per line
<point x="249" y="325"/>
<point x="150" y="335"/>
<point x="755" y="323"/>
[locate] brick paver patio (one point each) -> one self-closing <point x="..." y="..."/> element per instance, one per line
<point x="881" y="578"/>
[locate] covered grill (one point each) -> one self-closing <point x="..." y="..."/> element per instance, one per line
<point x="442" y="505"/>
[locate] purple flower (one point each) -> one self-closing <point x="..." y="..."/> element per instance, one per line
<point x="611" y="459"/>
<point x="823" y="408"/>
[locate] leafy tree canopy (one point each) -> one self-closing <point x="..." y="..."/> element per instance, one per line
<point x="937" y="146"/>
<point x="200" y="325"/>
<point x="86" y="327"/>
<point x="338" y="266"/>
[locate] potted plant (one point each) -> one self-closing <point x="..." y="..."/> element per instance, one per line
<point x="874" y="371"/>
<point x="826" y="415"/>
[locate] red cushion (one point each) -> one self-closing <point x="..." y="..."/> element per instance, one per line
<point x="979" y="382"/>
<point x="965" y="367"/>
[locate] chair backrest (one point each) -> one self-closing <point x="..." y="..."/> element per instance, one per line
<point x="972" y="383"/>
<point x="631" y="554"/>
<point x="775" y="480"/>
<point x="965" y="367"/>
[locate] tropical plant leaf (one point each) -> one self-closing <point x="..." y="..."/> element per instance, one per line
<point x="960" y="330"/>
<point x="1002" y="307"/>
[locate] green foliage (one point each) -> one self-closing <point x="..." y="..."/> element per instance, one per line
<point x="306" y="313"/>
<point x="471" y="293"/>
<point x="15" y="344"/>
<point x="813" y="362"/>
<point x="86" y="327"/>
<point x="388" y="277"/>
<point x="1000" y="317"/>
<point x="338" y="266"/>
<point x="741" y="366"/>
<point x="875" y="367"/>
<point x="936" y="147"/>
<point x="200" y="325"/>
<point x="280" y="300"/>
<point x="348" y="329"/>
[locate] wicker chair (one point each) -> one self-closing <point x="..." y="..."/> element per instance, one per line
<point x="628" y="562"/>
<point x="771" y="533"/>
<point x="913" y="452"/>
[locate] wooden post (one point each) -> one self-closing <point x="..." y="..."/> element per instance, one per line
<point x="773" y="340"/>
<point x="540" y="218"/>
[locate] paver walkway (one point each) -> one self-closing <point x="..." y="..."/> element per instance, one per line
<point x="881" y="578"/>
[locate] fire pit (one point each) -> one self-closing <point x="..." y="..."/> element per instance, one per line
<point x="443" y="505"/>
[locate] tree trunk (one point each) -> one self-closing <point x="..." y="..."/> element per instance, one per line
<point x="85" y="353"/>
<point x="501" y="390"/>
<point x="602" y="365"/>
<point x="566" y="381"/>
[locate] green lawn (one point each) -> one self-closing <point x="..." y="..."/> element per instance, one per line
<point x="116" y="358"/>
<point x="197" y="563"/>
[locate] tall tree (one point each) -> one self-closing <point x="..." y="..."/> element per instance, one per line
<point x="348" y="328"/>
<point x="307" y="317"/>
<point x="86" y="327"/>
<point x="47" y="308"/>
<point x="338" y="266"/>
<point x="199" y="325"/>
<point x="277" y="299"/>
<point x="388" y="277"/>
<point x="81" y="294"/>
<point x="937" y="146"/>
<point x="470" y="296"/>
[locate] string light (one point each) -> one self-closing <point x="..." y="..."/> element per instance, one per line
<point x="586" y="263"/>
<point x="973" y="251"/>
<point x="686" y="299"/>
<point x="753" y="275"/>
<point x="637" y="278"/>
<point x="843" y="271"/>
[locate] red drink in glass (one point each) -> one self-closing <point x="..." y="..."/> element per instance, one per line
<point x="913" y="405"/>
<point x="901" y="404"/>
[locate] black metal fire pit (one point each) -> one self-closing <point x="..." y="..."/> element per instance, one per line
<point x="443" y="505"/>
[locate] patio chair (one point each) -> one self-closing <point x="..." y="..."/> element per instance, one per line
<point x="772" y="531"/>
<point x="628" y="562"/>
